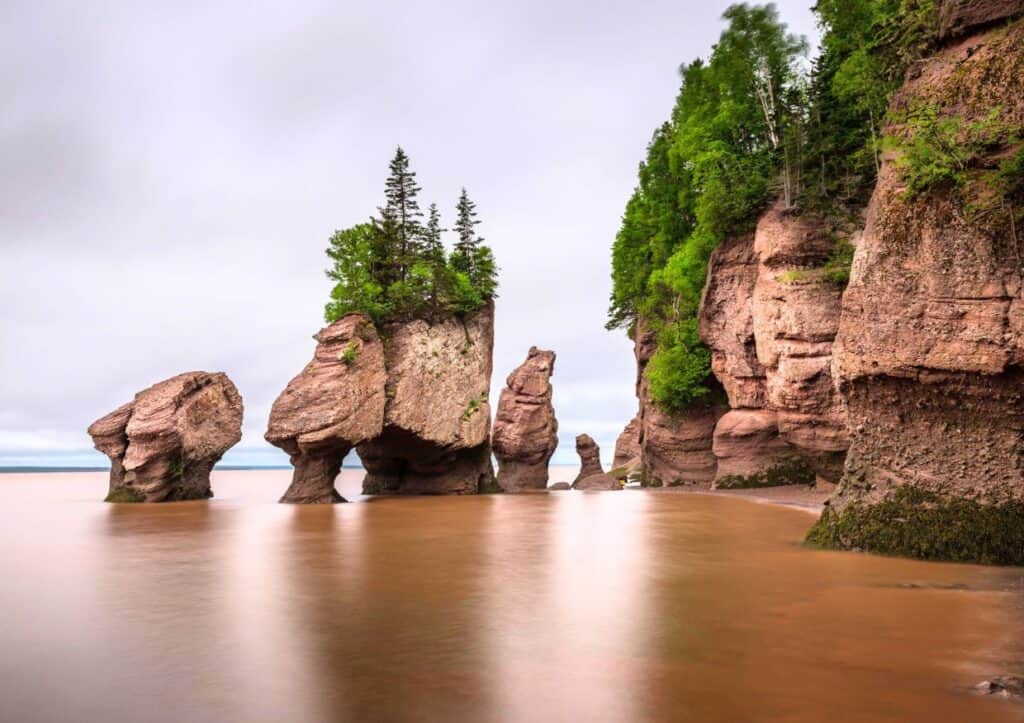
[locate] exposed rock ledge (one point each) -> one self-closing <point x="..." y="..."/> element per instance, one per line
<point x="163" y="444"/>
<point x="525" y="427"/>
<point x="410" y="398"/>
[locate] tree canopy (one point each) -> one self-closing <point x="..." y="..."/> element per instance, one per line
<point x="752" y="123"/>
<point x="394" y="266"/>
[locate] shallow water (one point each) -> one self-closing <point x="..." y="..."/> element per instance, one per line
<point x="621" y="606"/>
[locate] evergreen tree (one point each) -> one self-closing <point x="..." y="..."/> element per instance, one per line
<point x="433" y="249"/>
<point x="465" y="227"/>
<point x="471" y="258"/>
<point x="403" y="212"/>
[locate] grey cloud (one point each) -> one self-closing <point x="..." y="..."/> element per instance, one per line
<point x="169" y="175"/>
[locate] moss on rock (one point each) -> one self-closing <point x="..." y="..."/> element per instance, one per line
<point x="911" y="522"/>
<point x="789" y="472"/>
<point x="124" y="494"/>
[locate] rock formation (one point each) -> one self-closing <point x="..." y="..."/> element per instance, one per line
<point x="931" y="340"/>
<point x="675" y="449"/>
<point x="627" y="450"/>
<point x="598" y="482"/>
<point x="590" y="457"/>
<point x="560" y="487"/>
<point x="769" y="315"/>
<point x="525" y="429"/>
<point x="335" y="403"/>
<point x="163" y="444"/>
<point x="411" y="398"/>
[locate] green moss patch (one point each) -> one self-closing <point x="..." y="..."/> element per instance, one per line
<point x="124" y="494"/>
<point x="789" y="472"/>
<point x="910" y="522"/>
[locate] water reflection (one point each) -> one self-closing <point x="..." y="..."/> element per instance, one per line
<point x="598" y="607"/>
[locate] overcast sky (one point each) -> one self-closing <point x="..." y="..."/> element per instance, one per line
<point x="169" y="177"/>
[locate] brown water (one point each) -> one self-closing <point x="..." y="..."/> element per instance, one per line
<point x="623" y="606"/>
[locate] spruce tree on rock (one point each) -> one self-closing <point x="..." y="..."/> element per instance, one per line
<point x="403" y="211"/>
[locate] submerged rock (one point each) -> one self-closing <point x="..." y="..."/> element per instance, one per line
<point x="163" y="444"/>
<point x="525" y="428"/>
<point x="335" y="403"/>
<point x="1004" y="687"/>
<point x="590" y="457"/>
<point x="596" y="482"/>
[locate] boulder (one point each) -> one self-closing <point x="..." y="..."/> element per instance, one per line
<point x="335" y="403"/>
<point x="590" y="457"/>
<point x="525" y="429"/>
<point x="163" y="444"/>
<point x="1003" y="687"/>
<point x="560" y="486"/>
<point x="598" y="482"/>
<point x="437" y="418"/>
<point x="929" y="356"/>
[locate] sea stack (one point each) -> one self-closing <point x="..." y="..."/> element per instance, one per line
<point x="627" y="450"/>
<point x="525" y="428"/>
<point x="335" y="403"/>
<point x="590" y="457"/>
<point x="410" y="397"/>
<point x="163" y="444"/>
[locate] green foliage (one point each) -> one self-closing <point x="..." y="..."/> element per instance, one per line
<point x="351" y="353"/>
<point x="395" y="266"/>
<point x="912" y="522"/>
<point x="940" y="150"/>
<point x="749" y="125"/>
<point x="837" y="268"/>
<point x="472" y="408"/>
<point x="709" y="171"/>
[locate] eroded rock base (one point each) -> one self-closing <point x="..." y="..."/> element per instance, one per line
<point x="313" y="478"/>
<point x="400" y="463"/>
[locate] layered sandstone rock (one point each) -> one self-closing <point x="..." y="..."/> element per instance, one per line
<point x="163" y="444"/>
<point x="411" y="399"/>
<point x="627" y="450"/>
<point x="590" y="457"/>
<point x="931" y="342"/>
<point x="525" y="429"/>
<point x="796" y="317"/>
<point x="437" y="419"/>
<point x="335" y="403"/>
<point x="958" y="17"/>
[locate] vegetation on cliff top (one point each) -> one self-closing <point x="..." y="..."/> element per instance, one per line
<point x="753" y="123"/>
<point x="395" y="266"/>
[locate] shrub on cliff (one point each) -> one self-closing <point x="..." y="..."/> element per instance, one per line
<point x="395" y="267"/>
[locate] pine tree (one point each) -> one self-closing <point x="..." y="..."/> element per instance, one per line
<point x="433" y="249"/>
<point x="403" y="211"/>
<point x="465" y="223"/>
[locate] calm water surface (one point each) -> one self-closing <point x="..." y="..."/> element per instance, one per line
<point x="630" y="606"/>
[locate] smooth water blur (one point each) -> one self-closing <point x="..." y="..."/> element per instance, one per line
<point x="621" y="606"/>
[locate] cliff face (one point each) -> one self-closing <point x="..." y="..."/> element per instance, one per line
<point x="411" y="398"/>
<point x="675" y="449"/>
<point x="931" y="338"/>
<point x="163" y="444"/>
<point x="769" y="316"/>
<point x="525" y="428"/>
